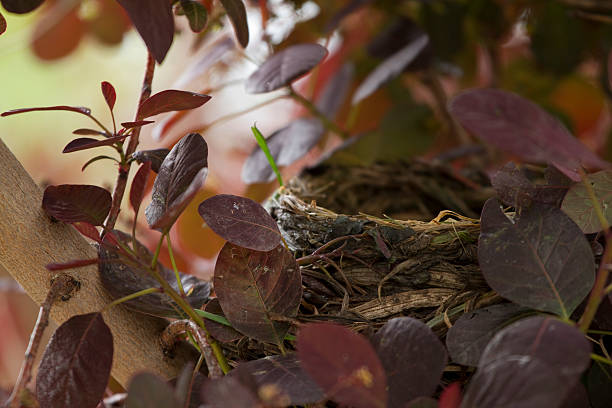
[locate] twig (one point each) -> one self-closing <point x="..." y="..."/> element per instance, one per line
<point x="61" y="286"/>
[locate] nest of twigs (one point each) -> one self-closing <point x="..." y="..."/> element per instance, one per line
<point x="362" y="270"/>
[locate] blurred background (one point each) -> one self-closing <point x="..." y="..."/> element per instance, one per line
<point x="552" y="52"/>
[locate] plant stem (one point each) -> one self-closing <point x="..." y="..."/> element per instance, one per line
<point x="130" y="297"/>
<point x="62" y="285"/>
<point x="316" y="112"/>
<point x="601" y="359"/>
<point x="124" y="167"/>
<point x="597" y="293"/>
<point x="156" y="253"/>
<point x="176" y="274"/>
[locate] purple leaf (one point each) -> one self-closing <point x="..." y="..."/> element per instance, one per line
<point x="171" y="100"/>
<point x="77" y="109"/>
<point x="20" y="6"/>
<point x="254" y="288"/>
<point x="344" y="364"/>
<point x="2" y="30"/>
<point x="241" y="221"/>
<point x="520" y="127"/>
<point x="228" y="392"/>
<point x="578" y="206"/>
<point x="237" y="15"/>
<point x="156" y="157"/>
<point x="335" y="91"/>
<point x="138" y="123"/>
<point x="390" y="68"/>
<point x="468" y="337"/>
<point x="180" y="177"/>
<point x="110" y="96"/>
<point x="541" y="260"/>
<point x="413" y="358"/>
<point x="90" y="132"/>
<point x="75" y="367"/>
<point x="83" y="143"/>
<point x="154" y="21"/>
<point x="139" y="183"/>
<point x="75" y="203"/>
<point x="221" y="332"/>
<point x="291" y="384"/>
<point x="150" y="391"/>
<point x="284" y="67"/>
<point x="531" y="363"/>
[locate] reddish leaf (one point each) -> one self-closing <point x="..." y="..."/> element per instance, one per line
<point x="468" y="337"/>
<point x="156" y="157"/>
<point x="256" y="287"/>
<point x="71" y="264"/>
<point x="228" y="392"/>
<point x="282" y="375"/>
<point x="547" y="256"/>
<point x="578" y="206"/>
<point x="77" y="109"/>
<point x="138" y="123"/>
<point x="139" y="183"/>
<point x="531" y="363"/>
<point x="20" y="6"/>
<point x="75" y="203"/>
<point x="78" y="358"/>
<point x="221" y="332"/>
<point x="171" y="100"/>
<point x="237" y="15"/>
<point x="284" y="67"/>
<point x="58" y="32"/>
<point x="109" y="94"/>
<point x="88" y="230"/>
<point x="150" y="391"/>
<point x="390" y="68"/>
<point x="413" y="358"/>
<point x="181" y="175"/>
<point x="154" y="21"/>
<point x="344" y="364"/>
<point x="2" y="24"/>
<point x="91" y="132"/>
<point x="241" y="221"/>
<point x="450" y="396"/>
<point x="522" y="128"/>
<point x="196" y="14"/>
<point x="84" y="143"/>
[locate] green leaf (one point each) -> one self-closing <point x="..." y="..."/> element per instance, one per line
<point x="196" y="14"/>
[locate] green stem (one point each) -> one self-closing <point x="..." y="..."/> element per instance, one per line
<point x="222" y="320"/>
<point x="608" y="289"/>
<point x="602" y="332"/>
<point x="173" y="262"/>
<point x="316" y="112"/>
<point x="601" y="359"/>
<point x="130" y="297"/>
<point x="156" y="254"/>
<point x="108" y="132"/>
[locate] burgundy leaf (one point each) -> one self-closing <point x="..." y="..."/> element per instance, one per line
<point x="109" y="94"/>
<point x="84" y="143"/>
<point x="58" y="32"/>
<point x="139" y="183"/>
<point x="522" y="128"/>
<point x="2" y="24"/>
<point x="181" y="175"/>
<point x="578" y="206"/>
<point x="468" y="337"/>
<point x="88" y="231"/>
<point x="413" y="358"/>
<point x="335" y="91"/>
<point x="228" y="392"/>
<point x="344" y="364"/>
<point x="534" y="362"/>
<point x="171" y="100"/>
<point x="450" y="396"/>
<point x="20" y="6"/>
<point x="75" y="203"/>
<point x="90" y="132"/>
<point x="284" y="374"/>
<point x="77" y="109"/>
<point x="71" y="264"/>
<point x="154" y="21"/>
<point x="121" y="275"/>
<point x="150" y="391"/>
<point x="138" y="123"/>
<point x="254" y="288"/>
<point x="156" y="157"/>
<point x="284" y="67"/>
<point x="390" y="68"/>
<point x="196" y="14"/>
<point x="241" y="221"/>
<point x="75" y="367"/>
<point x="221" y="332"/>
<point x="237" y="15"/>
<point x="542" y="260"/>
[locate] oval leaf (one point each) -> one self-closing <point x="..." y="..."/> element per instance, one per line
<point x="221" y="332"/>
<point x="156" y="157"/>
<point x="542" y="260"/>
<point x="146" y="390"/>
<point x="390" y="68"/>
<point x="520" y="127"/>
<point x="84" y="143"/>
<point x="109" y="94"/>
<point x="526" y="365"/>
<point x="284" y="67"/>
<point x="171" y="100"/>
<point x="180" y="176"/>
<point x="228" y="392"/>
<point x="139" y="183"/>
<point x="413" y="358"/>
<point x="335" y="91"/>
<point x="241" y="221"/>
<point x="196" y="14"/>
<point x="154" y="21"/>
<point x="578" y="206"/>
<point x="237" y="14"/>
<point x="468" y="337"/>
<point x="58" y="32"/>
<point x="75" y="367"/>
<point x="138" y="123"/>
<point x="21" y="6"/>
<point x="344" y="364"/>
<point x="284" y="376"/>
<point x="75" y="202"/>
<point x="254" y="288"/>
